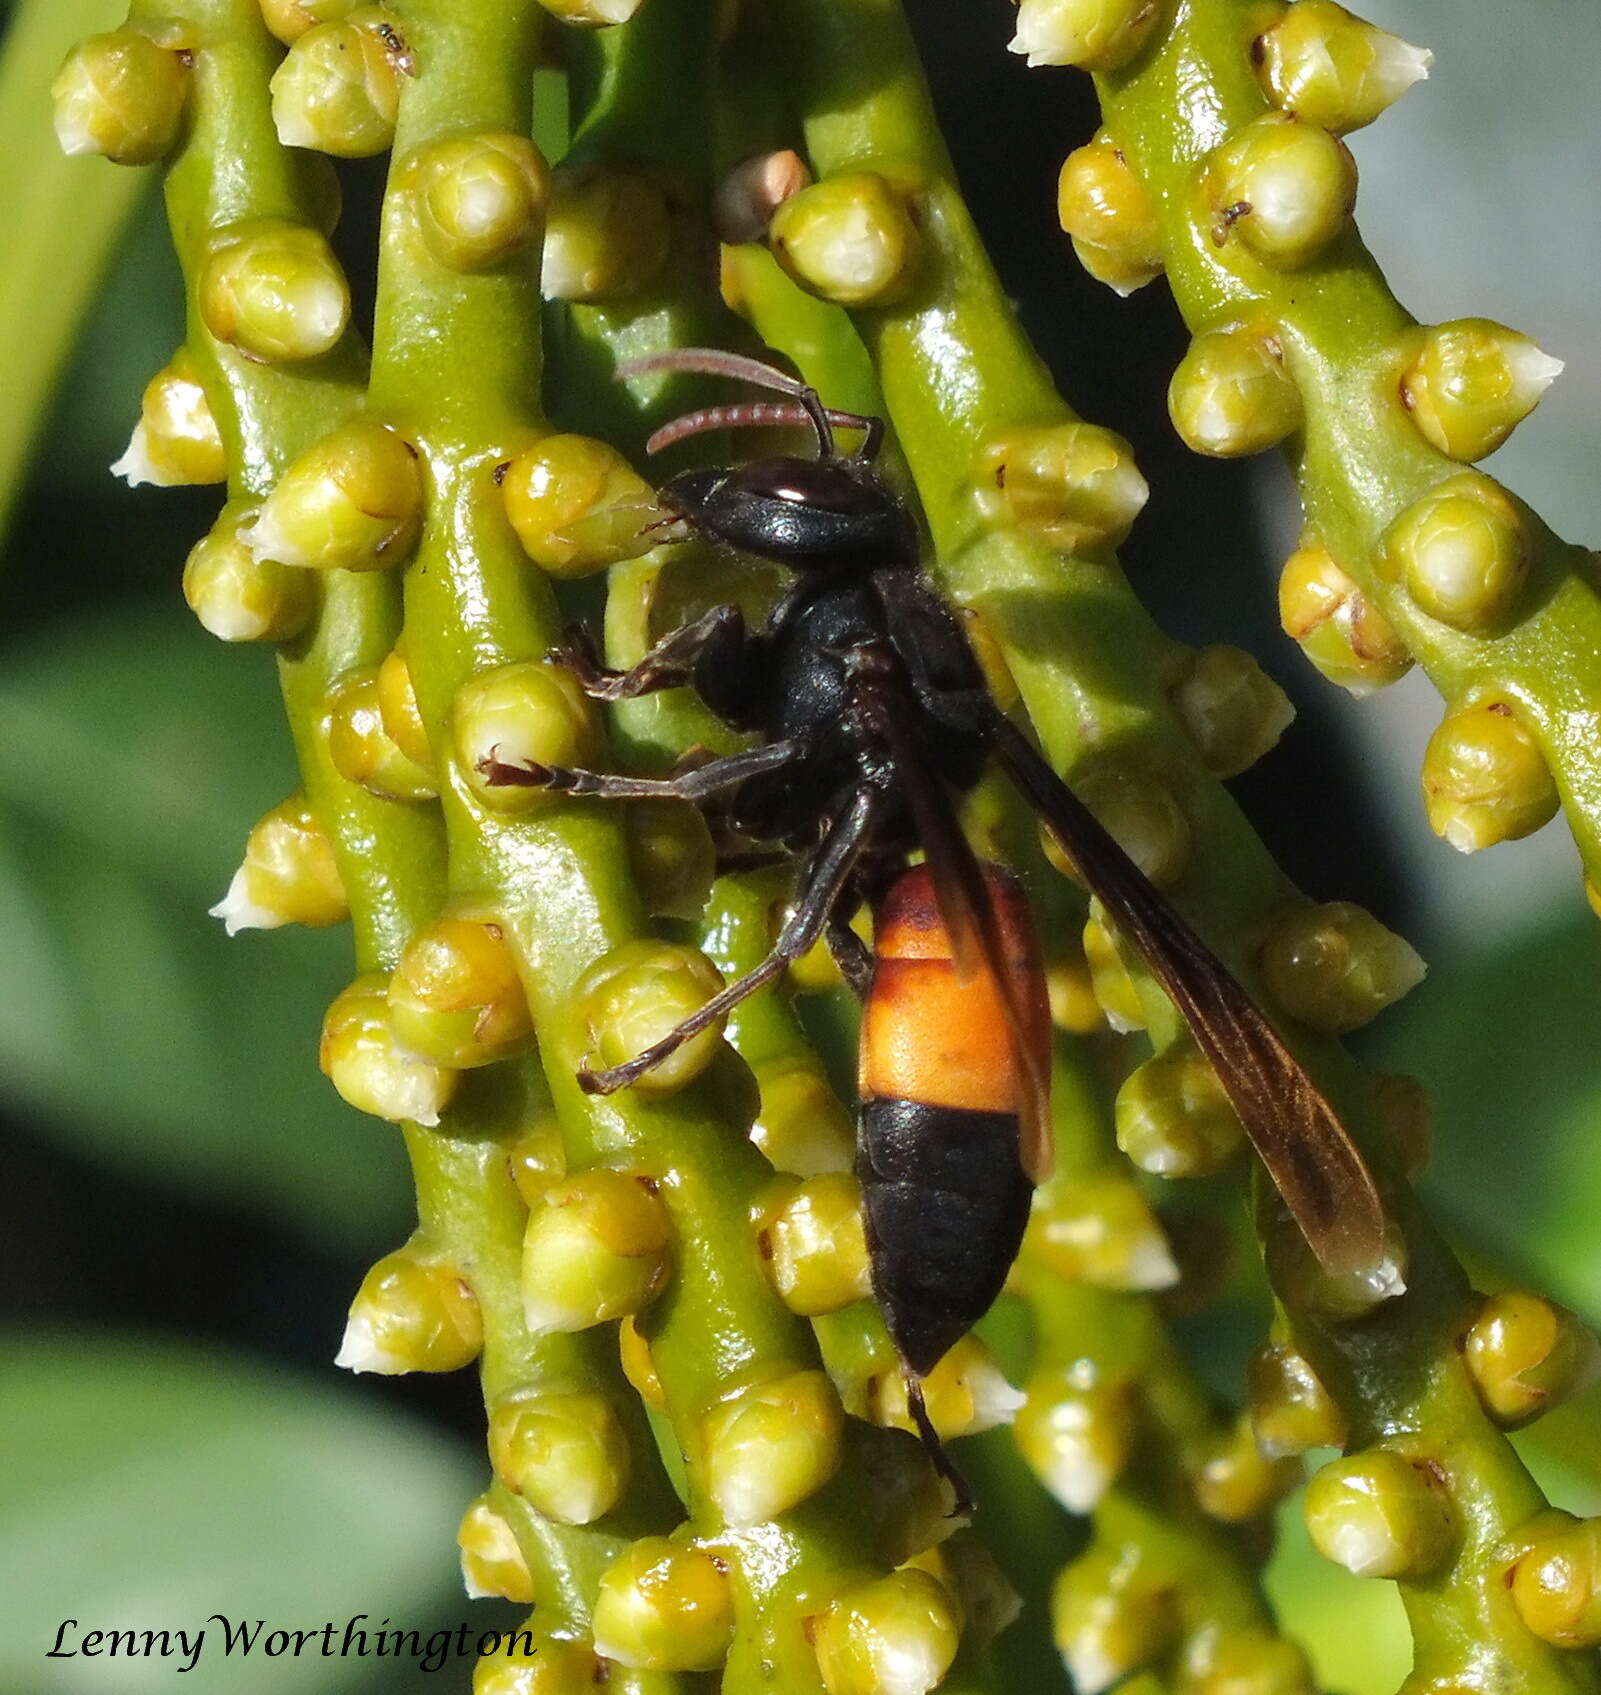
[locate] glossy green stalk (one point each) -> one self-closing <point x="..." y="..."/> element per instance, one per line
<point x="1360" y="461"/>
<point x="1091" y="667"/>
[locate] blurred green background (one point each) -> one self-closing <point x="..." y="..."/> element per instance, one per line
<point x="185" y="1206"/>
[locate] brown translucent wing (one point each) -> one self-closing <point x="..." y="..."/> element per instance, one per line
<point x="1308" y="1152"/>
<point x="977" y="944"/>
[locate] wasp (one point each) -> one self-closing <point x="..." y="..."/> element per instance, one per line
<point x="871" y="719"/>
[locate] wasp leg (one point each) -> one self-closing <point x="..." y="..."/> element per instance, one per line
<point x="697" y="785"/>
<point x="852" y="955"/>
<point x="938" y="1453"/>
<point x="827" y="873"/>
<point x="717" y="635"/>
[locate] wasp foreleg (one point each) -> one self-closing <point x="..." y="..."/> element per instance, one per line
<point x="696" y="785"/>
<point x="717" y="636"/>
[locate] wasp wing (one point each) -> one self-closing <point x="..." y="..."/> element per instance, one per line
<point x="1307" y="1150"/>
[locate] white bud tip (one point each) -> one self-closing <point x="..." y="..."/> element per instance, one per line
<point x="1534" y="370"/>
<point x="1151" y="1264"/>
<point x="995" y="1401"/>
<point x="1091" y="1668"/>
<point x="475" y="1590"/>
<point x="1412" y="64"/>
<point x="264" y="539"/>
<point x="910" y="1667"/>
<point x="138" y="470"/>
<point x="359" y="1350"/>
<point x="1461" y="835"/>
<point x="238" y="912"/>
<point x="294" y="128"/>
<point x="1078" y="1481"/>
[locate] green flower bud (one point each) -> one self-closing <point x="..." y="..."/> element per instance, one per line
<point x="815" y="1246"/>
<point x="1526" y="1354"/>
<point x="492" y="1562"/>
<point x="411" y="1314"/>
<point x="176" y="442"/>
<point x="1232" y="396"/>
<point x="1141" y="812"/>
<point x="1462" y="553"/>
<point x="398" y="710"/>
<point x="363" y="751"/>
<point x="1103" y="206"/>
<point x="1336" y="967"/>
<point x="1230" y="708"/>
<point x="338" y="90"/>
<point x="748" y="195"/>
<point x="480" y="199"/>
<point x="536" y="1161"/>
<point x="664" y="1607"/>
<point x="850" y="238"/>
<point x="800" y="1125"/>
<point x="672" y="857"/>
<point x="1100" y="1230"/>
<point x="274" y="290"/>
<point x="634" y="995"/>
<point x="238" y="597"/>
<point x="353" y="502"/>
<point x="771" y="1445"/>
<point x="1114" y="987"/>
<point x="122" y="96"/>
<point x="1471" y="383"/>
<point x="1236" y="1482"/>
<point x="607" y="234"/>
<point x="1485" y="779"/>
<point x="1243" y="1662"/>
<point x="1291" y="1411"/>
<point x="1333" y="69"/>
<point x="530" y="713"/>
<point x="592" y="14"/>
<point x="567" y="1455"/>
<point x="1379" y="1514"/>
<point x="639" y="1368"/>
<point x="1109" y="1619"/>
<point x="1283" y="187"/>
<point x="1556" y="1586"/>
<point x="597" y="1246"/>
<point x="986" y="1601"/>
<point x="361" y="1056"/>
<point x="557" y="1665"/>
<point x="1096" y="35"/>
<point x="290" y="19"/>
<point x="1344" y="635"/>
<point x="1078" y="1433"/>
<point x="1074" y="485"/>
<point x="456" y="997"/>
<point x="1174" y="1119"/>
<point x="1074" y="1007"/>
<point x="577" y="506"/>
<point x="966" y="1394"/>
<point x="289" y="875"/>
<point x="896" y="1635"/>
<point x="1404" y="1112"/>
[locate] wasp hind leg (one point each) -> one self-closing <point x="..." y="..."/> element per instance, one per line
<point x="695" y="786"/>
<point x="934" y="1446"/>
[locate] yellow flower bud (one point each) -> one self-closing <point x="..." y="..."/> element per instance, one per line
<point x="1526" y="1354"/>
<point x="1283" y="187"/>
<point x="1103" y="206"/>
<point x="1074" y="485"/>
<point x="1236" y="1482"/>
<point x="1231" y="394"/>
<point x="1485" y="779"/>
<point x="176" y="442"/>
<point x="634" y="995"/>
<point x="1334" y="69"/>
<point x="597" y="1246"/>
<point x="1336" y="967"/>
<point x="353" y="502"/>
<point x="556" y="1665"/>
<point x="411" y="1314"/>
<point x="566" y="1454"/>
<point x="1100" y="1230"/>
<point x="1230" y="708"/>
<point x="577" y="506"/>
<point x="771" y="1445"/>
<point x="530" y="713"/>
<point x="1074" y="1007"/>
<point x="238" y="597"/>
<point x="801" y="1126"/>
<point x="536" y="1160"/>
<point x="815" y="1246"/>
<point x="1379" y="1514"/>
<point x="122" y="96"/>
<point x="274" y="290"/>
<point x="672" y="857"/>
<point x="1174" y="1119"/>
<point x="480" y="199"/>
<point x="896" y="1635"/>
<point x="1462" y="553"/>
<point x="1344" y="635"/>
<point x="1556" y="1586"/>
<point x="607" y="234"/>
<point x="1114" y="987"/>
<point x="290" y="19"/>
<point x="1109" y="1619"/>
<point x="362" y="749"/>
<point x="338" y="89"/>
<point x="456" y="997"/>
<point x="365" y="1062"/>
<point x="850" y="239"/>
<point x="664" y="1607"/>
<point x="1291" y="1411"/>
<point x="398" y="711"/>
<point x="966" y="1394"/>
<point x="1096" y="35"/>
<point x="289" y="875"/>
<point x="1404" y="1111"/>
<point x="638" y="1366"/>
<point x="492" y="1562"/>
<point x="1141" y="812"/>
<point x="1247" y="1661"/>
<point x="1471" y="383"/>
<point x="1078" y="1433"/>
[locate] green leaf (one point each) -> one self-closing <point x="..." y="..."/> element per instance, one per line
<point x="137" y="753"/>
<point x="149" y="1484"/>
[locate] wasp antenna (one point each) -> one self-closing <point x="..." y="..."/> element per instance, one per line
<point x="752" y="414"/>
<point x="711" y="362"/>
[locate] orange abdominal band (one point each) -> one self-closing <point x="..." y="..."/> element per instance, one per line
<point x="930" y="1036"/>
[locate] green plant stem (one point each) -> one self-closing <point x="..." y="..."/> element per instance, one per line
<point x="1360" y="461"/>
<point x="54" y="263"/>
